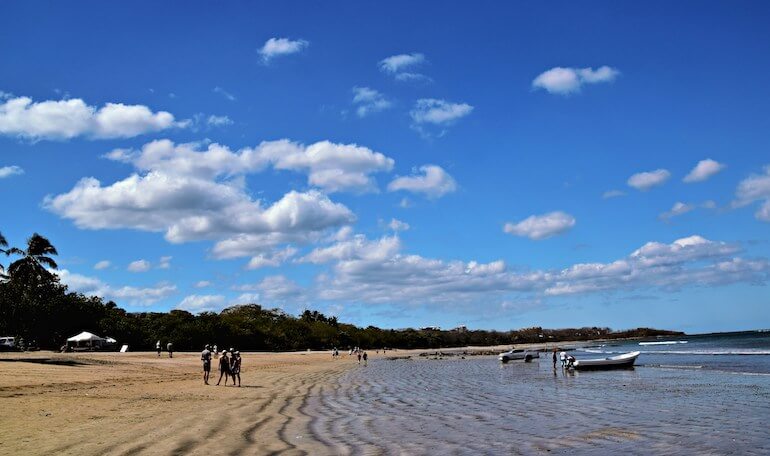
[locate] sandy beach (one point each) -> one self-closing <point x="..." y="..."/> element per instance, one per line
<point x="137" y="403"/>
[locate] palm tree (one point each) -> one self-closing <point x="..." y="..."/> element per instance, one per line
<point x="34" y="258"/>
<point x="3" y="243"/>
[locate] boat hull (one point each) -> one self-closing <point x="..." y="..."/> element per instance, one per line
<point x="625" y="361"/>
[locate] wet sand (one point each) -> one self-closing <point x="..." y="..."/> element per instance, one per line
<point x="137" y="403"/>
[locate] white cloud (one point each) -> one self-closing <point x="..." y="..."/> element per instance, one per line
<point x="369" y="101"/>
<point x="92" y="286"/>
<point x="434" y="182"/>
<point x="564" y="81"/>
<point x="395" y="278"/>
<point x="613" y="194"/>
<point x="165" y="262"/>
<point x="356" y="248"/>
<point x="330" y="166"/>
<point x="8" y="171"/>
<point x="703" y="170"/>
<point x="397" y="63"/>
<point x="275" y="47"/>
<point x="139" y="266"/>
<point x="202" y="284"/>
<point x="202" y="303"/>
<point x="438" y="112"/>
<point x="273" y="259"/>
<point x="104" y="264"/>
<point x="755" y="188"/>
<point x="278" y="288"/>
<point x="218" y="121"/>
<point x="539" y="227"/>
<point x="646" y="180"/>
<point x="679" y="208"/>
<point x="245" y="298"/>
<point x="65" y="119"/>
<point x="224" y="93"/>
<point x="398" y="225"/>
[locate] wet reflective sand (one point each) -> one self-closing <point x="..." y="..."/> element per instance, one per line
<point x="478" y="406"/>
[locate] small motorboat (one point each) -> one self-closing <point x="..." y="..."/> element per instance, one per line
<point x="624" y="361"/>
<point x="512" y="355"/>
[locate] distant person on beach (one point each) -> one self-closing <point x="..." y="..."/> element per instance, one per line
<point x="206" y="358"/>
<point x="366" y="357"/>
<point x="170" y="348"/>
<point x="224" y="367"/>
<point x="235" y="368"/>
<point x="359" y="357"/>
<point x="216" y="352"/>
<point x="563" y="357"/>
<point x="157" y="347"/>
<point x="554" y="359"/>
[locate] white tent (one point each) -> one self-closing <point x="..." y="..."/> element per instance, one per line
<point x="86" y="339"/>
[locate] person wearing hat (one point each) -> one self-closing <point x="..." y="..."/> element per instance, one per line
<point x="235" y="367"/>
<point x="224" y="367"/>
<point x="206" y="358"/>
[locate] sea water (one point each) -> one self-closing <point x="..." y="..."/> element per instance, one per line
<point x="703" y="397"/>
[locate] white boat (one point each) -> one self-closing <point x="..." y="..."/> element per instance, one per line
<point x="623" y="361"/>
<point x="512" y="355"/>
<point x="665" y="342"/>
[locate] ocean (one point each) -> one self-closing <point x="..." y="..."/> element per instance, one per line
<point x="701" y="395"/>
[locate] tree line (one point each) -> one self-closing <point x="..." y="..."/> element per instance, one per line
<point x="35" y="306"/>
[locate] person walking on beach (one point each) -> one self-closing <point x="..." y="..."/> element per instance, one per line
<point x="554" y="358"/>
<point x="224" y="367"/>
<point x="206" y="358"/>
<point x="359" y="357"/>
<point x="366" y="357"/>
<point x="157" y="347"/>
<point x="170" y="348"/>
<point x="235" y="368"/>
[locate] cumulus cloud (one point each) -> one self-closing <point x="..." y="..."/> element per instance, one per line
<point x="272" y="259"/>
<point x="433" y="182"/>
<point x="164" y="262"/>
<point x="275" y="47"/>
<point x="137" y="296"/>
<point x="438" y="112"/>
<point x="139" y="266"/>
<point x="202" y="284"/>
<point x="389" y="276"/>
<point x="398" y="225"/>
<point x="679" y="208"/>
<point x="539" y="227"/>
<point x="703" y="170"/>
<point x="218" y="121"/>
<point x="202" y="303"/>
<point x="65" y="119"/>
<point x="649" y="179"/>
<point x="369" y="101"/>
<point x="277" y="288"/>
<point x="402" y="67"/>
<point x="104" y="264"/>
<point x="8" y="171"/>
<point x="755" y="188"/>
<point x="564" y="81"/>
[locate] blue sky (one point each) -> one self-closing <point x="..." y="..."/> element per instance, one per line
<point x="398" y="164"/>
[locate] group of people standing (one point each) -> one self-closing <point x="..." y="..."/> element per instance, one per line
<point x="169" y="348"/>
<point x="229" y="366"/>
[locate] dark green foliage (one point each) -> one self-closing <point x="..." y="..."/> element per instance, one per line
<point x="35" y="306"/>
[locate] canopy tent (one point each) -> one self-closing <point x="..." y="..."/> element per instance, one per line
<point x="86" y="340"/>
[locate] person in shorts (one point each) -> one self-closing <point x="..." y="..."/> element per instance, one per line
<point x="235" y="367"/>
<point x="206" y="358"/>
<point x="224" y="367"/>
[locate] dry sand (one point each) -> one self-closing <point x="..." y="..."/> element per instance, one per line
<point x="137" y="403"/>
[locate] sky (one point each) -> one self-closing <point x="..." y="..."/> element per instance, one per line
<point x="398" y="164"/>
